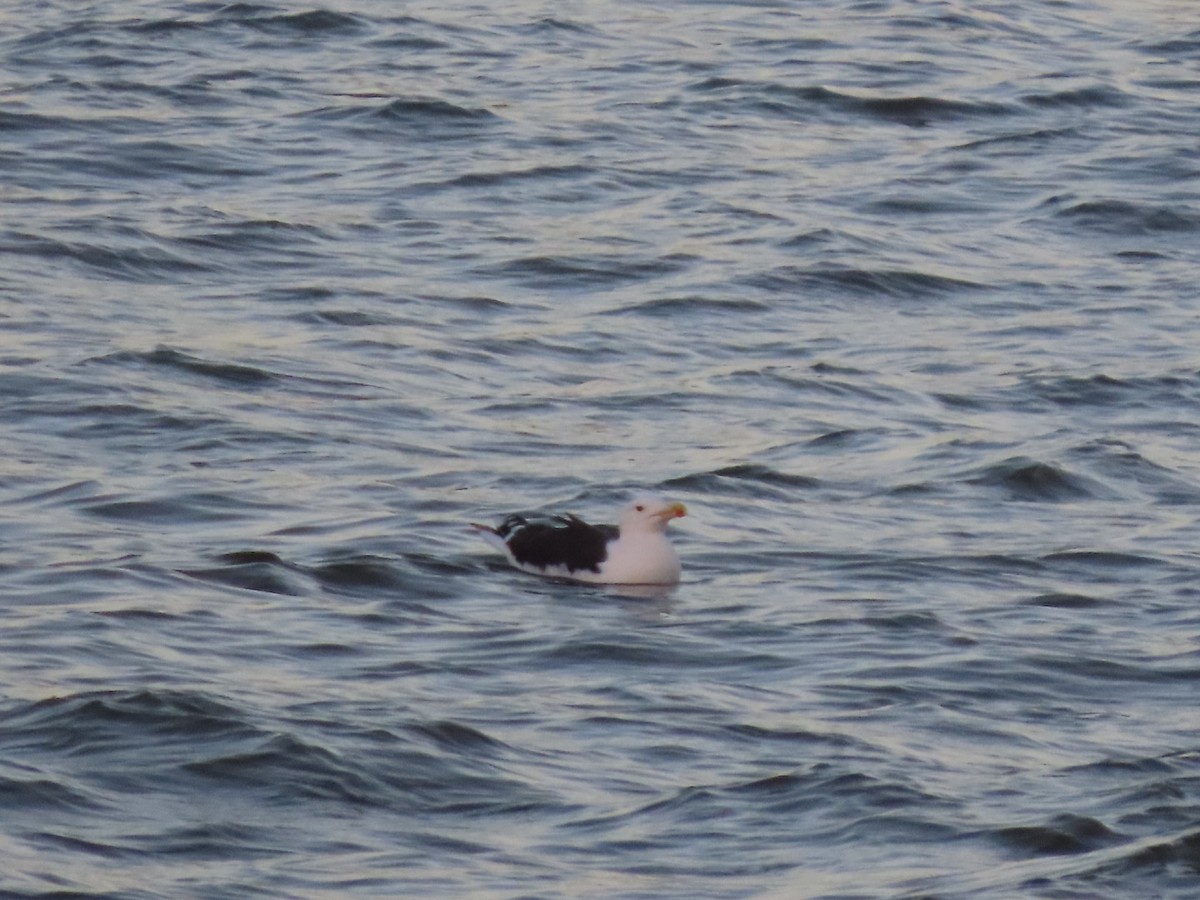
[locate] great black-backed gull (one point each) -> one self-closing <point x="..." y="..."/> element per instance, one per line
<point x="636" y="551"/>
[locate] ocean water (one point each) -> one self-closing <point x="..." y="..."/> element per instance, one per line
<point x="901" y="298"/>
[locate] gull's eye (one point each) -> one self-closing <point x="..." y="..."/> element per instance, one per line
<point x="639" y="507"/>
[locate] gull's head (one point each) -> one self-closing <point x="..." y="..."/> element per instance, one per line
<point x="650" y="514"/>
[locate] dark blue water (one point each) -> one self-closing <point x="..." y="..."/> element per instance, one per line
<point x="899" y="297"/>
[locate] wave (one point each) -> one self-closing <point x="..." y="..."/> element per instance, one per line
<point x="234" y="374"/>
<point x="168" y="741"/>
<point x="1022" y="478"/>
<point x="418" y="118"/>
<point x="591" y="271"/>
<point x="745" y="479"/>
<point x="670" y="307"/>
<point x="888" y="283"/>
<point x="1089" y="97"/>
<point x="406" y="578"/>
<point x="1126" y="218"/>
<point x="802" y="102"/>
<point x="142" y="261"/>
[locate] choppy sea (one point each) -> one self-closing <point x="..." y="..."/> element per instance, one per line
<point x="901" y="298"/>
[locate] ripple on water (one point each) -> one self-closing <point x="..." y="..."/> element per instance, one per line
<point x="1021" y="478"/>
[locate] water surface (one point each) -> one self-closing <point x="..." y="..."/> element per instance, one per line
<point x="900" y="298"/>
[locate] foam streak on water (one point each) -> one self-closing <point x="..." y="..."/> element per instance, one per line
<point x="900" y="298"/>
